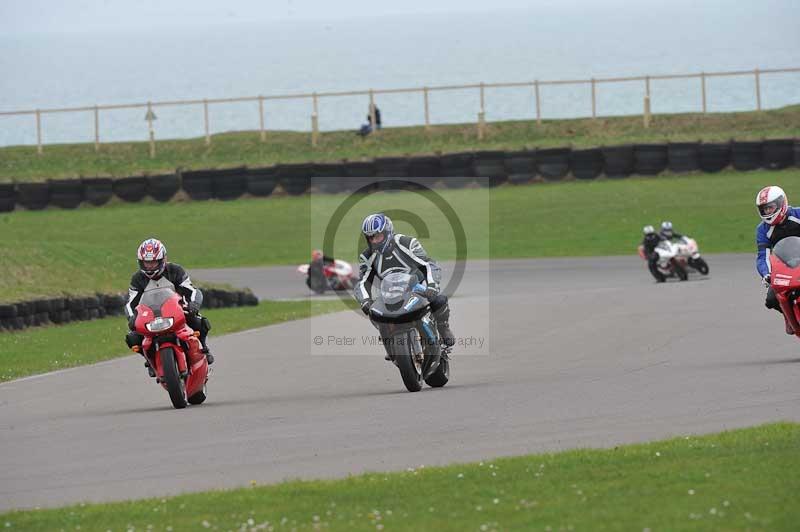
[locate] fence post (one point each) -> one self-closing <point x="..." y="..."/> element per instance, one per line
<point x="39" y="132"/>
<point x="647" y="86"/>
<point x="594" y="99"/>
<point x="96" y="129"/>
<point x="647" y="111"/>
<point x="372" y="119"/>
<point x="427" y="109"/>
<point x="758" y="89"/>
<point x="538" y="103"/>
<point x="315" y="122"/>
<point x="703" y="85"/>
<point x="205" y="120"/>
<point x="261" y="118"/>
<point x="151" y="134"/>
<point x="482" y="115"/>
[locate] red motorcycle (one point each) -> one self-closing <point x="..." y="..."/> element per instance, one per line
<point x="785" y="280"/>
<point x="171" y="347"/>
<point x="324" y="273"/>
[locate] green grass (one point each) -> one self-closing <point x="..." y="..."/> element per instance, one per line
<point x="738" y="480"/>
<point x="43" y="349"/>
<point x="234" y="149"/>
<point x="92" y="249"/>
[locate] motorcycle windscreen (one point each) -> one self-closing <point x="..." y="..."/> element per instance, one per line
<point x="155" y="298"/>
<point x="788" y="251"/>
<point x="394" y="287"/>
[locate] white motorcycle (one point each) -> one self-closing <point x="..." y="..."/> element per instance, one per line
<point x="689" y="255"/>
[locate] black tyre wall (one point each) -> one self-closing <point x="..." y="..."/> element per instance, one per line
<point x="66" y="193"/>
<point x="163" y="187"/>
<point x="199" y="185"/>
<point x="294" y="178"/>
<point x="650" y="159"/>
<point x="747" y="155"/>
<point x="714" y="156"/>
<point x="230" y="183"/>
<point x="619" y="161"/>
<point x="778" y="154"/>
<point x="553" y="163"/>
<point x="98" y="190"/>
<point x="33" y="196"/>
<point x="586" y="164"/>
<point x="130" y="188"/>
<point x="8" y="197"/>
<point x="683" y="157"/>
<point x="261" y="181"/>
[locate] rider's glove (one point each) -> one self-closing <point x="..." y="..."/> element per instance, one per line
<point x="132" y="323"/>
<point x="765" y="281"/>
<point x="428" y="292"/>
<point x="365" y="306"/>
<point x="192" y="307"/>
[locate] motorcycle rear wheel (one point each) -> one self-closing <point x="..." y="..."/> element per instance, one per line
<point x="174" y="384"/>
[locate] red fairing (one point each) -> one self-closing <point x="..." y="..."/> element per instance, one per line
<point x="192" y="362"/>
<point x="783" y="281"/>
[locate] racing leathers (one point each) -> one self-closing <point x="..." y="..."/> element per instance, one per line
<point x="176" y="278"/>
<point x="649" y="243"/>
<point x="406" y="255"/>
<point x="767" y="236"/>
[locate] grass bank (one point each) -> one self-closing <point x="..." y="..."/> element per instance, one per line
<point x="234" y="149"/>
<point x="43" y="349"/>
<point x="92" y="249"/>
<point x="738" y="480"/>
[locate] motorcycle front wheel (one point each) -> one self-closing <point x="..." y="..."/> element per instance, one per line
<point x="701" y="266"/>
<point x="172" y="380"/>
<point x="410" y="369"/>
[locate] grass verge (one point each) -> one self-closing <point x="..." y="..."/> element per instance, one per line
<point x="234" y="149"/>
<point x="92" y="250"/>
<point x="737" y="480"/>
<point x="43" y="349"/>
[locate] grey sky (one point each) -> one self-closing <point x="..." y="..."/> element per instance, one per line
<point x="79" y="15"/>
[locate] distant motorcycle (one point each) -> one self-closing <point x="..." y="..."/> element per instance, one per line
<point x="785" y="280"/>
<point x="329" y="275"/>
<point x="675" y="257"/>
<point x="171" y="347"/>
<point x="408" y="333"/>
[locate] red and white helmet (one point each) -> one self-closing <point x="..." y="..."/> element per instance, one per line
<point x="772" y="205"/>
<point x="155" y="253"/>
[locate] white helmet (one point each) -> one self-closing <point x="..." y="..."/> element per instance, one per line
<point x="648" y="230"/>
<point x="666" y="229"/>
<point x="772" y="205"/>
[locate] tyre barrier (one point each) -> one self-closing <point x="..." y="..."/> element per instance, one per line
<point x="553" y="163"/>
<point x="650" y="159"/>
<point x="329" y="177"/>
<point x="66" y="193"/>
<point x="682" y="157"/>
<point x="713" y="157"/>
<point x="778" y="154"/>
<point x="453" y="169"/>
<point x="131" y="189"/>
<point x="491" y="167"/>
<point x="229" y="183"/>
<point x="586" y="164"/>
<point x="198" y="184"/>
<point x="261" y="181"/>
<point x="33" y="196"/>
<point x="61" y="310"/>
<point x="8" y="197"/>
<point x="294" y="178"/>
<point x="746" y="155"/>
<point x="163" y="187"/>
<point x="520" y="166"/>
<point x="97" y="190"/>
<point x="619" y="160"/>
<point x="457" y="169"/>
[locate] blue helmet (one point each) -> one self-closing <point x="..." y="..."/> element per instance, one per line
<point x="376" y="224"/>
<point x="666" y="229"/>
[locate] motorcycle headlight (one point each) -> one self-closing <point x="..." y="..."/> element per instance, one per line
<point x="159" y="324"/>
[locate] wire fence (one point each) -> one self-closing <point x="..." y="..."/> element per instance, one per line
<point x="535" y="88"/>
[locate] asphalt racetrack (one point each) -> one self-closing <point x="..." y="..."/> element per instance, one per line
<point x="576" y="353"/>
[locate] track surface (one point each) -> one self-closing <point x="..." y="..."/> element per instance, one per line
<point x="584" y="352"/>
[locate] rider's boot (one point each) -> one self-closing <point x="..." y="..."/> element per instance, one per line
<point x="150" y="371"/>
<point x="442" y="317"/>
<point x="789" y="329"/>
